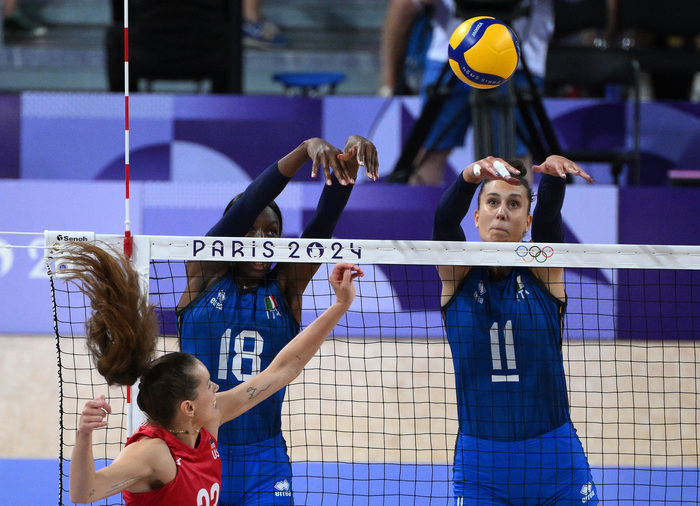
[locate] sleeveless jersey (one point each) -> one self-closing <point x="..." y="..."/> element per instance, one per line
<point x="505" y="337"/>
<point x="237" y="333"/>
<point x="198" y="478"/>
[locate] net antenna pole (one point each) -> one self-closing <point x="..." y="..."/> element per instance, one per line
<point x="127" y="221"/>
<point x="128" y="249"/>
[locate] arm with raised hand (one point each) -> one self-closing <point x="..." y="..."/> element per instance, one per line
<point x="243" y="211"/>
<point x="358" y="152"/>
<point x="453" y="207"/>
<point x="135" y="466"/>
<point x="455" y="202"/>
<point x="547" y="224"/>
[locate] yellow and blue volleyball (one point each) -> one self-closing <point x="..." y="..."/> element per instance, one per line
<point x="483" y="52"/>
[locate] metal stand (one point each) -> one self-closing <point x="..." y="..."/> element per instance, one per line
<point x="493" y="120"/>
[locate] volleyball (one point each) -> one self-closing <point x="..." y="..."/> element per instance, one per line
<point x="483" y="52"/>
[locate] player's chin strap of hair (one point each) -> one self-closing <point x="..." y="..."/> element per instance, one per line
<point x="333" y="199"/>
<point x="547" y="224"/>
<point x="243" y="213"/>
<point x="452" y="208"/>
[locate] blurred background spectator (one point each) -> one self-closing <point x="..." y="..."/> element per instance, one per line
<point x="17" y="25"/>
<point x="258" y="31"/>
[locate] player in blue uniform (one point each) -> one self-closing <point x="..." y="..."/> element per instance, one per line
<point x="516" y="443"/>
<point x="236" y="317"/>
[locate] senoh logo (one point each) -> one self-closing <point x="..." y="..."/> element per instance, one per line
<point x="534" y="253"/>
<point x="68" y="238"/>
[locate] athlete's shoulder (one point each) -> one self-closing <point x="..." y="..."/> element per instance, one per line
<point x="152" y="451"/>
<point x="217" y="290"/>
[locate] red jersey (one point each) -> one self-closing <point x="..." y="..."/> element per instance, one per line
<point x="198" y="478"/>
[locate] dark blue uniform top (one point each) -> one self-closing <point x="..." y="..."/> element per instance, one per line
<point x="236" y="333"/>
<point x="505" y="338"/>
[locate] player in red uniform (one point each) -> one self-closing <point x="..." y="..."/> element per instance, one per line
<point x="173" y="458"/>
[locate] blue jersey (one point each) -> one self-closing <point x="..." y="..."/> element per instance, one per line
<point x="236" y="333"/>
<point x="505" y="337"/>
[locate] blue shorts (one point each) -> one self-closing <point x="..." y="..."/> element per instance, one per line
<point x="259" y="474"/>
<point x="548" y="470"/>
<point x="450" y="127"/>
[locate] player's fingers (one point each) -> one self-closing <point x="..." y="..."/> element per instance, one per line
<point x="564" y="168"/>
<point x="351" y="151"/>
<point x="358" y="151"/>
<point x="584" y="175"/>
<point x="327" y="173"/>
<point x="496" y="169"/>
<point x="342" y="173"/>
<point x="323" y="163"/>
<point x="96" y="425"/>
<point x="357" y="272"/>
<point x="101" y="404"/>
<point x="347" y="276"/>
<point x="501" y="169"/>
<point x="372" y="163"/>
<point x="342" y="275"/>
<point x="92" y="419"/>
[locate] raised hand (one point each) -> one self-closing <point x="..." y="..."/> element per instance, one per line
<point x="557" y="165"/>
<point x="94" y="415"/>
<point x="341" y="279"/>
<point x="358" y="152"/>
<point x="491" y="167"/>
<point x="325" y="155"/>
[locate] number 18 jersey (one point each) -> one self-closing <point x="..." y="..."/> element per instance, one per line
<point x="237" y="333"/>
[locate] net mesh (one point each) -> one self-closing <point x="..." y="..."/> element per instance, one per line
<point x="373" y="417"/>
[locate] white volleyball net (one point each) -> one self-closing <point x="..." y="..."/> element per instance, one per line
<point x="373" y="417"/>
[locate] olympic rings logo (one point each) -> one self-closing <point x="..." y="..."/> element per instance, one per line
<point x="534" y="253"/>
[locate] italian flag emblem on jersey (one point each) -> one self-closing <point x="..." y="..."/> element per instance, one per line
<point x="271" y="307"/>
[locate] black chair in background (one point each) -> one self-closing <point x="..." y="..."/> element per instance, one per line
<point x="597" y="68"/>
<point x="575" y="62"/>
<point x="671" y="57"/>
<point x="585" y="24"/>
<point x="573" y="18"/>
<point x="198" y="41"/>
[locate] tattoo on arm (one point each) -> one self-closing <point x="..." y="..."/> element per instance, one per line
<point x="254" y="392"/>
<point x="122" y="485"/>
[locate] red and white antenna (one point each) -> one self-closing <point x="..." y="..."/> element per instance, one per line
<point x="127" y="222"/>
<point x="128" y="246"/>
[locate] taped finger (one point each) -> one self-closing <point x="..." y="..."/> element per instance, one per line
<point x="501" y="169"/>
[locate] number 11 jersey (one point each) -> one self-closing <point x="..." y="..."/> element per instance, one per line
<point x="505" y="337"/>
